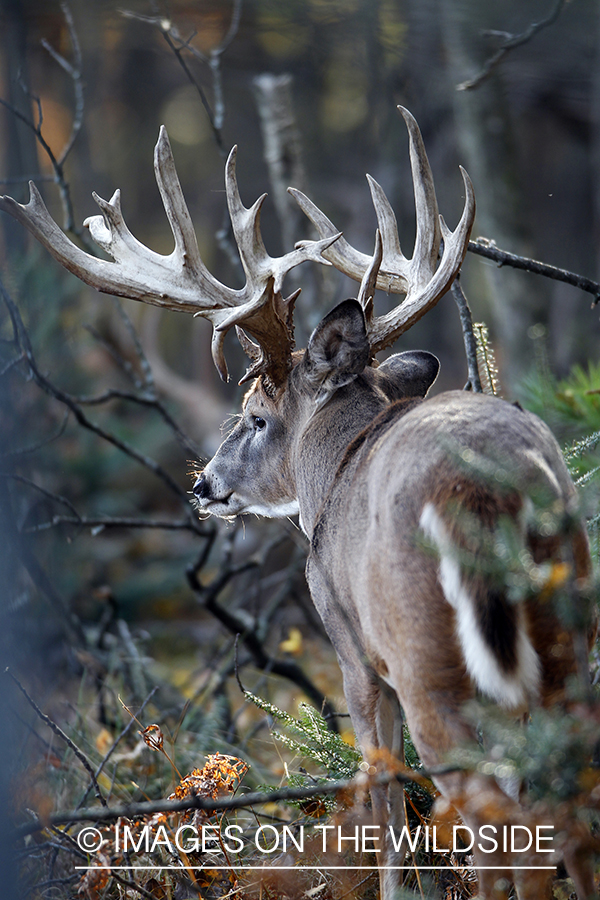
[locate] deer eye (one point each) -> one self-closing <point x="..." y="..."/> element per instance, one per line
<point x="259" y="423"/>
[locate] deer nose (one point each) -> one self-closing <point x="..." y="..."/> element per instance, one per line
<point x="202" y="488"/>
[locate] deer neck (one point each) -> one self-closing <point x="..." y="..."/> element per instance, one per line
<point x="327" y="439"/>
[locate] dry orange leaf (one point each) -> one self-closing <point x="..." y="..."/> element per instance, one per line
<point x="153" y="737"/>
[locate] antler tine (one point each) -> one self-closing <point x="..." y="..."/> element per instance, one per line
<point x="266" y="315"/>
<point x="369" y="280"/>
<point x="421" y="295"/>
<point x="180" y="281"/>
<point x="428" y="236"/>
<point x="424" y="278"/>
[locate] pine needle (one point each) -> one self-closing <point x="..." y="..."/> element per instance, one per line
<point x="578" y="448"/>
<point x="486" y="360"/>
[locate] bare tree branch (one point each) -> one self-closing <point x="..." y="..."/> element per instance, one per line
<point x="466" y="321"/>
<point x="65" y="737"/>
<point x="510" y="42"/>
<point x="36" y="572"/>
<point x="131" y="885"/>
<point x="240" y="801"/>
<point x="73" y="70"/>
<point x="39" y="445"/>
<point x="144" y="399"/>
<point x="49" y="494"/>
<point x="75" y="408"/>
<point x="179" y="45"/>
<point x="57" y="161"/>
<point x="116" y="743"/>
<point x="485" y="247"/>
<point x="99" y="523"/>
<point x="249" y="629"/>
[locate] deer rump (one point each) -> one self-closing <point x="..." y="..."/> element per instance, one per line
<point x="404" y="571"/>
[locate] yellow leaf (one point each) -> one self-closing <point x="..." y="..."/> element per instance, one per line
<point x="104" y="741"/>
<point x="558" y="576"/>
<point x="349" y="737"/>
<point x="105" y="782"/>
<point x="293" y="642"/>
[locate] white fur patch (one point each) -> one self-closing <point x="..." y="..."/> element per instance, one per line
<point x="540" y="463"/>
<point x="513" y="690"/>
<point x="280" y="510"/>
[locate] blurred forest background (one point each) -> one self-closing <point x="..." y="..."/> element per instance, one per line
<point x="110" y="585"/>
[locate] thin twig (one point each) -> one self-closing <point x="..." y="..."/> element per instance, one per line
<point x="45" y="744"/>
<point x="510" y="42"/>
<point x="61" y="734"/>
<point x="36" y="571"/>
<point x="215" y="63"/>
<point x="81" y="418"/>
<point x="39" y="445"/>
<point x="99" y="523"/>
<point x="125" y="731"/>
<point x="11" y="364"/>
<point x="147" y="374"/>
<point x="240" y="625"/>
<point x="179" y="45"/>
<point x="133" y="886"/>
<point x="123" y="363"/>
<point x="57" y="162"/>
<point x="146" y="387"/>
<point x="233" y="28"/>
<point x="143" y="400"/>
<point x="466" y="321"/>
<point x="121" y="445"/>
<point x="50" y="495"/>
<point x="177" y="50"/>
<point x="54" y="882"/>
<point x="73" y="70"/>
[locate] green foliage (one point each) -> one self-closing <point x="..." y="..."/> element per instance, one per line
<point x="571" y="407"/>
<point x="315" y="741"/>
<point x="552" y="755"/>
<point x="486" y="360"/>
<point x="310" y="737"/>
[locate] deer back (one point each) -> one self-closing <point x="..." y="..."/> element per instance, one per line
<point x="409" y="526"/>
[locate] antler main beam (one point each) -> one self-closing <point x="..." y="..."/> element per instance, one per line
<point x="181" y="281"/>
<point x="425" y="277"/>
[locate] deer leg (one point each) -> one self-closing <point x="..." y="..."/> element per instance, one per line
<point x="377" y="721"/>
<point x="437" y="727"/>
<point x="481" y="802"/>
<point x="578" y="861"/>
<point x="389" y="731"/>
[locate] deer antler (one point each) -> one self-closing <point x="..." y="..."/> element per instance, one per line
<point x="425" y="277"/>
<point x="181" y="281"/>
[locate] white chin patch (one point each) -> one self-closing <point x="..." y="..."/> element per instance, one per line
<point x="274" y="511"/>
<point x="236" y="506"/>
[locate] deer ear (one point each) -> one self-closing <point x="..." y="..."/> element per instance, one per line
<point x="337" y="351"/>
<point x="408" y="374"/>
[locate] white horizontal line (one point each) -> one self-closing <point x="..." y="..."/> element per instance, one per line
<point x="313" y="868"/>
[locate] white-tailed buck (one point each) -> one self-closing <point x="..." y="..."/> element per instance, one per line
<point x="399" y="496"/>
